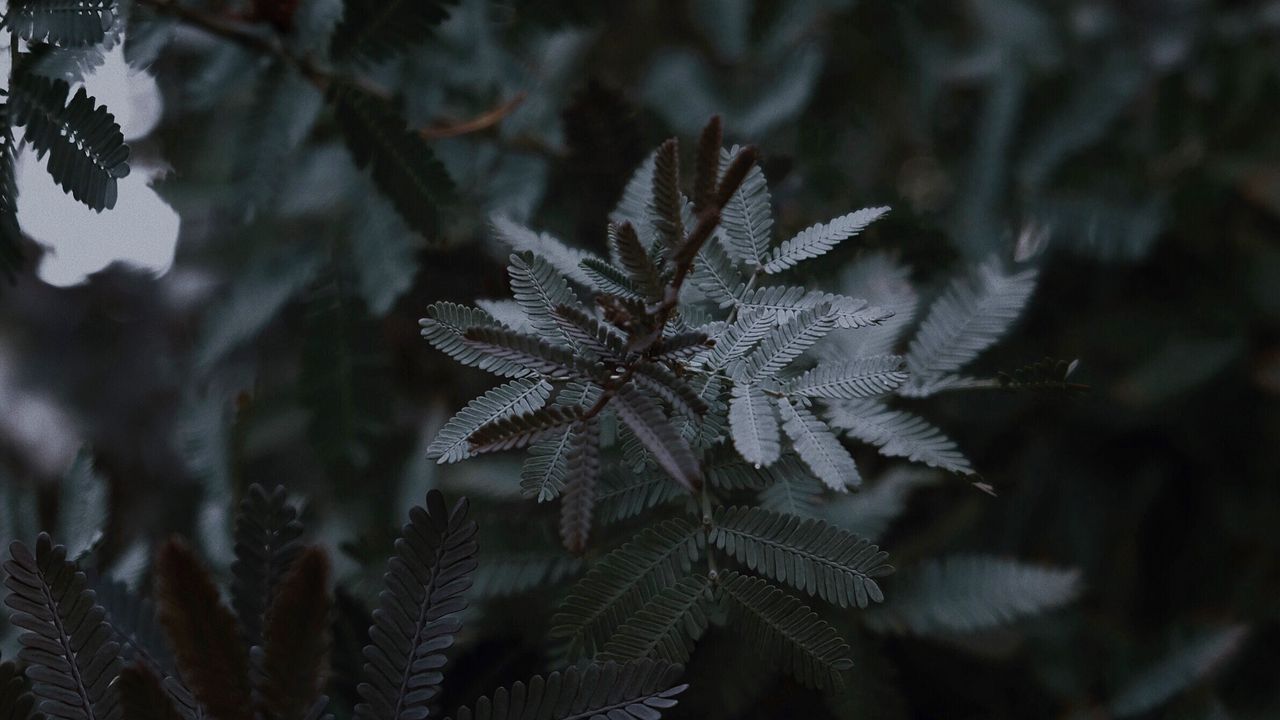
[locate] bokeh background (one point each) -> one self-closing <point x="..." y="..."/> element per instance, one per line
<point x="259" y="321"/>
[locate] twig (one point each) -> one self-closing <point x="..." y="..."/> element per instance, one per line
<point x="483" y="121"/>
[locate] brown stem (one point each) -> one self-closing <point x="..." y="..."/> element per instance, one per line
<point x="483" y="121"/>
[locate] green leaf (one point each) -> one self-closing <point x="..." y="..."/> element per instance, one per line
<point x="898" y="434"/>
<point x="519" y="396"/>
<point x="746" y="222"/>
<point x="403" y="166"/>
<point x="820" y="449"/>
<point x="785" y="631"/>
<point x="754" y="425"/>
<point x="809" y="554"/>
<point x="86" y="149"/>
<point x="864" y="377"/>
<point x="654" y="429"/>
<point x="971" y="315"/>
<point x="818" y="239"/>
<point x="969" y="593"/>
<point x="82" y="506"/>
<point x="372" y="31"/>
<point x="632" y="691"/>
<point x="65" y="23"/>
<point x="418" y="615"/>
<point x="445" y="326"/>
<point x="623" y="582"/>
<point x="666" y="627"/>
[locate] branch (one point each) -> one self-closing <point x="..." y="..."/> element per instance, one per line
<point x="484" y="121"/>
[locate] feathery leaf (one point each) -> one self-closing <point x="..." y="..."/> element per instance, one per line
<point x="818" y="447"/>
<point x="526" y="351"/>
<point x="295" y="648"/>
<point x="898" y="434"/>
<point x="786" y="631"/>
<point x="546" y="467"/>
<point x="418" y="612"/>
<point x="1187" y="666"/>
<point x="633" y="691"/>
<point x="818" y="239"/>
<point x="374" y="30"/>
<point x="520" y="396"/>
<point x="864" y="377"/>
<point x="578" y="498"/>
<point x="445" y="327"/>
<point x="746" y="219"/>
<point x="666" y="199"/>
<point x="654" y="429"/>
<point x="266" y="543"/>
<point x="754" y="425"/>
<point x="786" y="343"/>
<point x="666" y="627"/>
<point x="519" y="431"/>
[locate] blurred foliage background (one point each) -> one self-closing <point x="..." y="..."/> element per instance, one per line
<point x="1137" y="137"/>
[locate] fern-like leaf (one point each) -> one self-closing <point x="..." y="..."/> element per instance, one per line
<point x="372" y="31"/>
<point x="746" y="220"/>
<point x="784" y="630"/>
<point x="622" y="582"/>
<point x="970" y="316"/>
<point x="898" y="434"/>
<point x="403" y="166"/>
<point x="609" y="280"/>
<point x="819" y="447"/>
<point x="205" y="637"/>
<point x="266" y="543"/>
<point x="754" y="425"/>
<point x="16" y="702"/>
<point x="64" y="23"/>
<point x="539" y="289"/>
<point x="566" y="260"/>
<point x="578" y="499"/>
<point x="12" y="257"/>
<point x="785" y="302"/>
<point x="588" y="334"/>
<point x="625" y="494"/>
<point x="786" y="343"/>
<point x="666" y="627"/>
<point x="716" y="275"/>
<point x="526" y="351"/>
<point x="295" y="649"/>
<point x="86" y="149"/>
<point x="635" y="259"/>
<point x="637" y="690"/>
<point x="666" y="199"/>
<point x="864" y="377"/>
<point x="969" y="593"/>
<point x="133" y="624"/>
<point x="517" y="397"/>
<point x="654" y="429"/>
<point x="65" y="644"/>
<point x="808" y="554"/>
<point x="418" y="612"/>
<point x="445" y="327"/>
<point x="1178" y="671"/>
<point x="792" y="489"/>
<point x="664" y="384"/>
<point x="518" y="431"/>
<point x="546" y="466"/>
<point x="818" y="239"/>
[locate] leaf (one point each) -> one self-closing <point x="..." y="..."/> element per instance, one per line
<point x="12" y="255"/>
<point x="578" y="498"/>
<point x="1178" y="671"/>
<point x="65" y="23"/>
<point x="667" y="202"/>
<point x="666" y="627"/>
<point x="520" y="396"/>
<point x="784" y="303"/>
<point x="86" y="149"/>
<point x="864" y="377"/>
<point x="64" y="645"/>
<point x="627" y="494"/>
<point x="633" y="206"/>
<point x="539" y="289"/>
<point x="754" y="425"/>
<point x="716" y="275"/>
<point x="706" y="178"/>
<point x="971" y="593"/>
<point x="792" y="489"/>
<point x="525" y="351"/>
<point x="588" y="334"/>
<point x="898" y="434"/>
<point x="403" y="166"/>
<point x="295" y="649"/>
<point x="819" y="239"/>
<point x="809" y="554"/>
<point x="16" y="703"/>
<point x="133" y="624"/>
<point x="444" y="327"/>
<point x="785" y="631"/>
<point x="143" y="697"/>
<point x="654" y="429"/>
<point x="786" y="343"/>
<point x="418" y="612"/>
<point x="746" y="221"/>
<point x="970" y="316"/>
<point x="622" y="582"/>
<point x="266" y="544"/>
<point x="885" y="284"/>
<point x="632" y="691"/>
<point x="635" y="260"/>
<point x="820" y="449"/>
<point x="203" y="633"/>
<point x="513" y="573"/>
<point x="609" y="280"/>
<point x="673" y="390"/>
<point x="546" y="466"/>
<point x="566" y="260"/>
<point x="373" y="31"/>
<point x="517" y="431"/>
<point x="82" y="506"/>
<point x="870" y="511"/>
